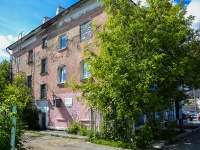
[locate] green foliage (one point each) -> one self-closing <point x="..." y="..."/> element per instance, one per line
<point x="169" y="133"/>
<point x="146" y="136"/>
<point x="145" y="55"/>
<point x="30" y="117"/>
<point x="78" y="128"/>
<point x="114" y="143"/>
<point x="74" y="127"/>
<point x="4" y="76"/>
<point x="20" y="95"/>
<point x="5" y="128"/>
<point x="83" y="131"/>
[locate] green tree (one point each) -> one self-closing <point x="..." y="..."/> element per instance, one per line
<point x="20" y="95"/>
<point x="4" y="76"/>
<point x="24" y="100"/>
<point x="146" y="54"/>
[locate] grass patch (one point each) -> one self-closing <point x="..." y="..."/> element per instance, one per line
<point x="36" y="133"/>
<point x="113" y="143"/>
<point x="49" y="134"/>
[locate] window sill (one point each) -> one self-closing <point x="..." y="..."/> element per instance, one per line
<point x="29" y="62"/>
<point x="63" y="49"/>
<point x="44" y="73"/>
<point x="61" y="85"/>
<point x="44" y="47"/>
<point x="86" y="79"/>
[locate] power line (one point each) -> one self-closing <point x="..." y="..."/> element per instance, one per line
<point x="49" y="3"/>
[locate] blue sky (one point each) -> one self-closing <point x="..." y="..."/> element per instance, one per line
<point x="25" y="15"/>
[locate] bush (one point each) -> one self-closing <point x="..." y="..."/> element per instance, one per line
<point x="30" y="117"/>
<point x="74" y="127"/>
<point x="5" y="129"/>
<point x="83" y="131"/>
<point x="78" y="128"/>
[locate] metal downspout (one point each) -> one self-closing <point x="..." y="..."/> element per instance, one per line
<point x="11" y="80"/>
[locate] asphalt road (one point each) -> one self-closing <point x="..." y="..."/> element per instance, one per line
<point x="191" y="142"/>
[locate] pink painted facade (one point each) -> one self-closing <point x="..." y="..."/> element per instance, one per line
<point x="68" y="24"/>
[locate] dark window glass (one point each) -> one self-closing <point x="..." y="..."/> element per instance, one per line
<point x="30" y="56"/>
<point x="29" y="81"/>
<point x="44" y="42"/>
<point x="44" y="66"/>
<point x="43" y="91"/>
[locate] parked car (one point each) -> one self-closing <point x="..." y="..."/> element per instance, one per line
<point x="192" y="112"/>
<point x="187" y="116"/>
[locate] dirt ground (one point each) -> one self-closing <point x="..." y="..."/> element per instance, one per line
<point x="33" y="141"/>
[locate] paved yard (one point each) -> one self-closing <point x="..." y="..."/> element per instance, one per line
<point x="35" y="142"/>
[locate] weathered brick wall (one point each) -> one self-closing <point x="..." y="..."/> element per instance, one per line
<point x="71" y="57"/>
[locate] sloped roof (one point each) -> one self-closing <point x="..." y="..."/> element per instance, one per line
<point x="46" y="24"/>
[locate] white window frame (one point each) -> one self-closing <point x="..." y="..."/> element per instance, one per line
<point x="62" y="74"/>
<point x="84" y="70"/>
<point x="61" y="37"/>
<point x="82" y="33"/>
<point x="19" y="61"/>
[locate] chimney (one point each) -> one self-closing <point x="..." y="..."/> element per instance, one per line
<point x="45" y="19"/>
<point x="59" y="10"/>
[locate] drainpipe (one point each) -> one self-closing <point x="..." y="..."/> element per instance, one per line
<point x="10" y="65"/>
<point x="14" y="110"/>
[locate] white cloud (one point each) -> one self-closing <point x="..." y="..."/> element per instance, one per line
<point x="11" y="38"/>
<point x="193" y="9"/>
<point x="5" y="41"/>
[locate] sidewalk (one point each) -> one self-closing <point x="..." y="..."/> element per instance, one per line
<point x="178" y="137"/>
<point x="61" y="133"/>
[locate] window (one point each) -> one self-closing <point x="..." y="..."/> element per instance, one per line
<point x="86" y="31"/>
<point x="86" y="70"/>
<point x="44" y="42"/>
<point x="63" y="42"/>
<point x="30" y="56"/>
<point x="44" y="65"/>
<point x="43" y="91"/>
<point x="19" y="61"/>
<point x="62" y="74"/>
<point x="29" y="81"/>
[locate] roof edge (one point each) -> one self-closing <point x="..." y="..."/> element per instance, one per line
<point x="46" y="24"/>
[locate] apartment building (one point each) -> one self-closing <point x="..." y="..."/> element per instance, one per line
<point x="51" y="54"/>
